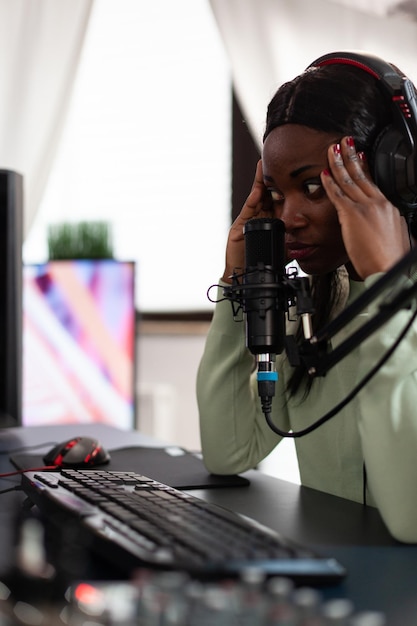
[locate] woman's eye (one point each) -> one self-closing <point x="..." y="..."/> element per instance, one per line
<point x="276" y="196"/>
<point x="313" y="188"/>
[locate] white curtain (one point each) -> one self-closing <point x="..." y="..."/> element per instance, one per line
<point x="40" y="47"/>
<point x="270" y="41"/>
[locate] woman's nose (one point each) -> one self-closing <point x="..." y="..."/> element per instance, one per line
<point x="291" y="213"/>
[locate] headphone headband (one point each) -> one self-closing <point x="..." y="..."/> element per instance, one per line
<point x="394" y="158"/>
<point x="368" y="62"/>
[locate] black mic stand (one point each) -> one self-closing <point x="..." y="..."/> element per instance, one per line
<point x="314" y="351"/>
<point x="280" y="293"/>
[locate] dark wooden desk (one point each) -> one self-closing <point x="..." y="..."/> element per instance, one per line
<point x="382" y="574"/>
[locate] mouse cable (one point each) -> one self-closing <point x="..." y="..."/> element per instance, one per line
<point x="30" y="469"/>
<point x="267" y="401"/>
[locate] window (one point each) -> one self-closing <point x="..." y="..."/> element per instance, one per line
<point x="146" y="147"/>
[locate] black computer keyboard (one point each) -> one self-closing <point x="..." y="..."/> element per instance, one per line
<point x="134" y="521"/>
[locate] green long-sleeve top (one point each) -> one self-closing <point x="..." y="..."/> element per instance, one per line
<point x="378" y="428"/>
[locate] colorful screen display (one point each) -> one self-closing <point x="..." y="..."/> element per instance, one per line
<point x="79" y="343"/>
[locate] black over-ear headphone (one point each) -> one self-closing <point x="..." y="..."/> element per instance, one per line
<point x="393" y="163"/>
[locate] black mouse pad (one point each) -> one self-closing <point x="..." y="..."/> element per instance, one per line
<point x="171" y="465"/>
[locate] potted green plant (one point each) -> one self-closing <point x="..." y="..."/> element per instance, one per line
<point x="80" y="240"/>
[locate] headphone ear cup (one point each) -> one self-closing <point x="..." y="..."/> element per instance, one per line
<point x="379" y="162"/>
<point x="412" y="224"/>
<point x="388" y="166"/>
<point x="393" y="159"/>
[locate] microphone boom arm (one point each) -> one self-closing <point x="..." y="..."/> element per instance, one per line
<point x="314" y="351"/>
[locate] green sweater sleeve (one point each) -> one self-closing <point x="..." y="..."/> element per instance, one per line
<point x="388" y="423"/>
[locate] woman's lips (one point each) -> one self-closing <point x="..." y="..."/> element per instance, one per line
<point x="299" y="251"/>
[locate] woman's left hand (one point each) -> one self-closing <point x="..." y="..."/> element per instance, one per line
<point x="374" y="233"/>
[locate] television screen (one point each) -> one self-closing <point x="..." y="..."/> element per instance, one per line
<point x="79" y="343"/>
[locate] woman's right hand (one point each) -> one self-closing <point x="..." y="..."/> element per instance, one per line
<point x="258" y="204"/>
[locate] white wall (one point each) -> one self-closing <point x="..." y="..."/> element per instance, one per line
<point x="168" y="358"/>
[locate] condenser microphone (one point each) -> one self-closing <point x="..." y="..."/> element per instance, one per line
<point x="264" y="298"/>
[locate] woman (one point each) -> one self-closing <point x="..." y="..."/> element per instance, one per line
<point x="343" y="231"/>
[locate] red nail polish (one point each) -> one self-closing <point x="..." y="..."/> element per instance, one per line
<point x="350" y="142"/>
<point x="326" y="172"/>
<point x="337" y="149"/>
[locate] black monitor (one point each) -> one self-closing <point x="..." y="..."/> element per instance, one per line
<point x="11" y="236"/>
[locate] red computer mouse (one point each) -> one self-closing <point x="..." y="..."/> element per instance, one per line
<point x="77" y="452"/>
